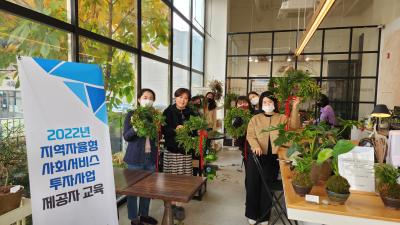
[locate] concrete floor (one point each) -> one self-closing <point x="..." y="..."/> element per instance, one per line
<point x="224" y="202"/>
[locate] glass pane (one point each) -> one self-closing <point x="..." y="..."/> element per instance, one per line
<point x="365" y="88"/>
<point x="19" y="36"/>
<point x="365" y="110"/>
<point x="238" y="44"/>
<point x="198" y="14"/>
<point x="183" y="6"/>
<point x="119" y="71"/>
<point x="336" y="90"/>
<point x="345" y="110"/>
<point x="365" y="39"/>
<point x="155" y="27"/>
<point x="181" y="41"/>
<point x="237" y="66"/>
<point x="337" y="40"/>
<point x="310" y="64"/>
<point x="258" y="85"/>
<point x="260" y="66"/>
<point x="197" y="51"/>
<point x="53" y="8"/>
<point x="113" y="19"/>
<point x="197" y="80"/>
<point x="180" y="79"/>
<point x="261" y="43"/>
<point x="315" y="43"/>
<point x="285" y="42"/>
<point x="366" y="64"/>
<point x="155" y="77"/>
<point x="237" y="86"/>
<point x="281" y="64"/>
<point x="337" y="66"/>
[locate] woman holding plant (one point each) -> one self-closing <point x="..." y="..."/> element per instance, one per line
<point x="141" y="153"/>
<point x="262" y="144"/>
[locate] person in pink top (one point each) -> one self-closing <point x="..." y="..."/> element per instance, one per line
<point x="327" y="113"/>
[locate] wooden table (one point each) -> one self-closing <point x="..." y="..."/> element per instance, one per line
<point x="360" y="208"/>
<point x="166" y="187"/>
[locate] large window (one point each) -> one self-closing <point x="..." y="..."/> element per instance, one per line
<point x="155" y="76"/>
<point x="343" y="60"/>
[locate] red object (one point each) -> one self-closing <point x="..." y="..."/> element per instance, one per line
<point x="203" y="134"/>
<point x="388" y="55"/>
<point x="287" y="109"/>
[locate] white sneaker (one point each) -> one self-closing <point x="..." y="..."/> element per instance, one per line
<point x="251" y="222"/>
<point x="264" y="223"/>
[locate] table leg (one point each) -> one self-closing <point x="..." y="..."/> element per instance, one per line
<point x="167" y="218"/>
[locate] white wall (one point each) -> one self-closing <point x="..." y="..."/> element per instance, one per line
<point x="389" y="82"/>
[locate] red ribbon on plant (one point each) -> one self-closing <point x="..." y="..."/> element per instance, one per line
<point x="203" y="134"/>
<point x="287" y="109"/>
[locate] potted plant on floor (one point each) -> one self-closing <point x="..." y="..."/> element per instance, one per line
<point x="301" y="181"/>
<point x="12" y="157"/>
<point x="389" y="189"/>
<point x="337" y="187"/>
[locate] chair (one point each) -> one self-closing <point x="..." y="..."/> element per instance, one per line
<point x="274" y="195"/>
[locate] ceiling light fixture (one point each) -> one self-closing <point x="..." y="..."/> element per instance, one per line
<point x="250" y="59"/>
<point x="256" y="60"/>
<point x="319" y="15"/>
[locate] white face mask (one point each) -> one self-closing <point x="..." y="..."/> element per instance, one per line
<point x="268" y="108"/>
<point x="146" y="102"/>
<point x="254" y="101"/>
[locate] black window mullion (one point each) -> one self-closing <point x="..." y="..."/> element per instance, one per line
<point x="171" y="54"/>
<point x="191" y="45"/>
<point x="139" y="44"/>
<point x="272" y="53"/>
<point x="377" y="65"/>
<point x="75" y="37"/>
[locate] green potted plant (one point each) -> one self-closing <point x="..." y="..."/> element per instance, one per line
<point x="301" y="181"/>
<point x="12" y="158"/>
<point x="389" y="189"/>
<point x="337" y="187"/>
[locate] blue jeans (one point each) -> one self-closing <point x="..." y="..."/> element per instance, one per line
<point x="144" y="203"/>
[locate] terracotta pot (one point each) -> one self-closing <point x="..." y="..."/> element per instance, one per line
<point x="392" y="203"/>
<point x="321" y="172"/>
<point x="9" y="201"/>
<point x="301" y="191"/>
<point x="337" y="198"/>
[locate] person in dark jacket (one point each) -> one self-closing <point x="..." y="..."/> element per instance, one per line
<point x="141" y="154"/>
<point x="244" y="103"/>
<point x="176" y="161"/>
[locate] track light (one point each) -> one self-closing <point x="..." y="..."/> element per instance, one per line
<point x="319" y="15"/>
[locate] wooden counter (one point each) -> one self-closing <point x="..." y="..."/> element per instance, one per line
<point x="360" y="208"/>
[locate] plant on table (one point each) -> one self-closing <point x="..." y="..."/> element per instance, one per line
<point x="301" y="181"/>
<point x="337" y="187"/>
<point x="389" y="189"/>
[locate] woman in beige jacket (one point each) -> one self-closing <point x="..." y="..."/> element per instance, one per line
<point x="262" y="144"/>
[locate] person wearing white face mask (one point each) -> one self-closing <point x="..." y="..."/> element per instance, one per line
<point x="254" y="100"/>
<point x="262" y="145"/>
<point x="141" y="154"/>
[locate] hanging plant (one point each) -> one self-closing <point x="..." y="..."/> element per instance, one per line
<point x="147" y="122"/>
<point x="187" y="136"/>
<point x="294" y="83"/>
<point x="216" y="87"/>
<point x="236" y="121"/>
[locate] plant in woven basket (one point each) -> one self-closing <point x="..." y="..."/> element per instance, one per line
<point x="216" y="87"/>
<point x="188" y="138"/>
<point x="236" y="121"/>
<point x="294" y="83"/>
<point x="147" y="122"/>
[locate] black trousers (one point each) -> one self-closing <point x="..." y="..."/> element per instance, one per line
<point x="258" y="200"/>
